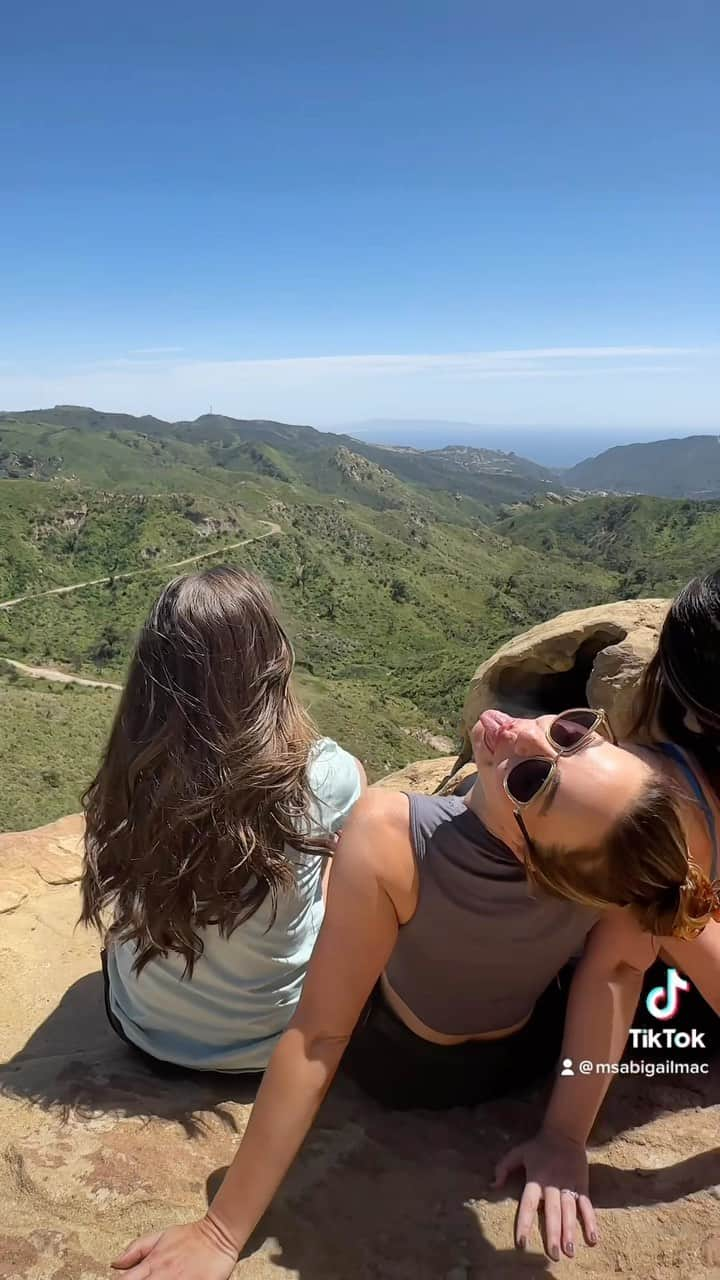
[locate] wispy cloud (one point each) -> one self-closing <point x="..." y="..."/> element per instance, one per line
<point x="470" y="359"/>
<point x="533" y="361"/>
<point x="603" y="384"/>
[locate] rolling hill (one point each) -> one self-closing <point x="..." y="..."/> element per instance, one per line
<point x="44" y="442"/>
<point x="688" y="468"/>
<point x="393" y="588"/>
<point x="651" y="546"/>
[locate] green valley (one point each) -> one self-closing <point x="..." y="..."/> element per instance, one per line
<point x="394" y="588"/>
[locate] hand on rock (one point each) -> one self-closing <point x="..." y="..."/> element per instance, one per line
<point x="200" y="1251"/>
<point x="556" y="1174"/>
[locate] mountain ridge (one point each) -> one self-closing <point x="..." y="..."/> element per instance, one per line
<point x="677" y="467"/>
<point x="495" y="478"/>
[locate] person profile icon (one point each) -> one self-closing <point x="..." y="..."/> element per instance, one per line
<point x="567" y="1067"/>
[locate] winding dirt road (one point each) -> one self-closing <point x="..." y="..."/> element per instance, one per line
<point x="68" y="677"/>
<point x="272" y="530"/>
<point x="57" y="677"/>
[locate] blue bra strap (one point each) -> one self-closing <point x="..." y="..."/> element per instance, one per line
<point x="678" y="755"/>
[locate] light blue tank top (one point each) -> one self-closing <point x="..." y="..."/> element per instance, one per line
<point x="244" y="988"/>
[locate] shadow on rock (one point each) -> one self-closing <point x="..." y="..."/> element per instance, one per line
<point x="74" y="1062"/>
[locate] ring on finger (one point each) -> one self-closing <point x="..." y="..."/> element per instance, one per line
<point x="567" y="1191"/>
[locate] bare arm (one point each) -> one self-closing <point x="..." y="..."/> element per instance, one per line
<point x="371" y="888"/>
<point x="700" y="960"/>
<point x="603" y="999"/>
<point x="602" y="1002"/>
<point x="355" y="942"/>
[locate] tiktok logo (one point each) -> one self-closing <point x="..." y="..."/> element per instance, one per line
<point x="663" y="1002"/>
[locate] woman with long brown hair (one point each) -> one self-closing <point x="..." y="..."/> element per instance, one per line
<point x="208" y="829"/>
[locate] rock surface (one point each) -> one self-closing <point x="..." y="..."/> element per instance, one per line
<point x="95" y="1148"/>
<point x="591" y="656"/>
<point x="429" y="777"/>
<point x="424" y="776"/>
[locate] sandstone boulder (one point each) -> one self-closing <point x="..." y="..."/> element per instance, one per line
<point x="593" y="656"/>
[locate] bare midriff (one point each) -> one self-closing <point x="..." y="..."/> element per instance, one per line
<point x="418" y="1028"/>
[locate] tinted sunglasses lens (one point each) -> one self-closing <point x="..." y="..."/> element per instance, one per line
<point x="568" y="730"/>
<point x="527" y="778"/>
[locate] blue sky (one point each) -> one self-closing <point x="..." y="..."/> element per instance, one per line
<point x="500" y="213"/>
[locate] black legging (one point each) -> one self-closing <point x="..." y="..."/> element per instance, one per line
<point x="401" y="1070"/>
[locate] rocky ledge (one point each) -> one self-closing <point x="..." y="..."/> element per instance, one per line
<point x="96" y="1149"/>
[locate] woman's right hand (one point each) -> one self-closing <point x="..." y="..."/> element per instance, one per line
<point x="199" y="1251"/>
<point x="556" y="1174"/>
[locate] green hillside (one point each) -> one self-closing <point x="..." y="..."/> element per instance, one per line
<point x="389" y="610"/>
<point x="51" y="737"/>
<point x="393" y="589"/>
<point x="687" y="468"/>
<point x="652" y="546"/>
<point x="75" y="442"/>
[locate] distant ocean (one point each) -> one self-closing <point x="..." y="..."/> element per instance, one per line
<point x="550" y="446"/>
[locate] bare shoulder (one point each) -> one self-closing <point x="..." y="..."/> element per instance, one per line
<point x="377" y="838"/>
<point x="618" y="939"/>
<point x="379" y="812"/>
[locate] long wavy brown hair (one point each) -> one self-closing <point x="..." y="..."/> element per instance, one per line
<point x="203" y="784"/>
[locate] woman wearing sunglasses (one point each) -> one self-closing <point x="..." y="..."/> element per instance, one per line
<point x="436" y="970"/>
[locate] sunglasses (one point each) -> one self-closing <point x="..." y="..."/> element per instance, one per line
<point x="530" y="779"/>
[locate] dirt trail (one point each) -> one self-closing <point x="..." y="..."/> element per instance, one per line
<point x="271" y="531"/>
<point x="59" y="677"/>
<point x="68" y="677"/>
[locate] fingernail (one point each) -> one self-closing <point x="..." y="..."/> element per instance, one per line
<point x="593" y="1237"/>
<point x="570" y="1249"/>
<point x="555" y="1253"/>
<point x="522" y="1243"/>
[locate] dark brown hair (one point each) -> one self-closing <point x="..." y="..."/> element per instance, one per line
<point x="643" y="863"/>
<point x="204" y="778"/>
<point x="684" y="674"/>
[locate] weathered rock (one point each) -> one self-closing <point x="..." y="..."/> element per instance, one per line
<point x="711" y="1250"/>
<point x="95" y="1149"/>
<point x="429" y="777"/>
<point x="591" y="656"/>
<point x="424" y="776"/>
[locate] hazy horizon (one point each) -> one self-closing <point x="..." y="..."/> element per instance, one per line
<point x="551" y="446"/>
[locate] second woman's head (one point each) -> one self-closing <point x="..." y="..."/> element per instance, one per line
<point x="680" y="694"/>
<point x="204" y="780"/>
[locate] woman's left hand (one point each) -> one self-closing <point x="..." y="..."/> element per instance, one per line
<point x="199" y="1251"/>
<point x="554" y="1166"/>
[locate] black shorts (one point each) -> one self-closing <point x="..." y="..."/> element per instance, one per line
<point x="401" y="1070"/>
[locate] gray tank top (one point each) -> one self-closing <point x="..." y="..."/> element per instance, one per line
<point x="482" y="945"/>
